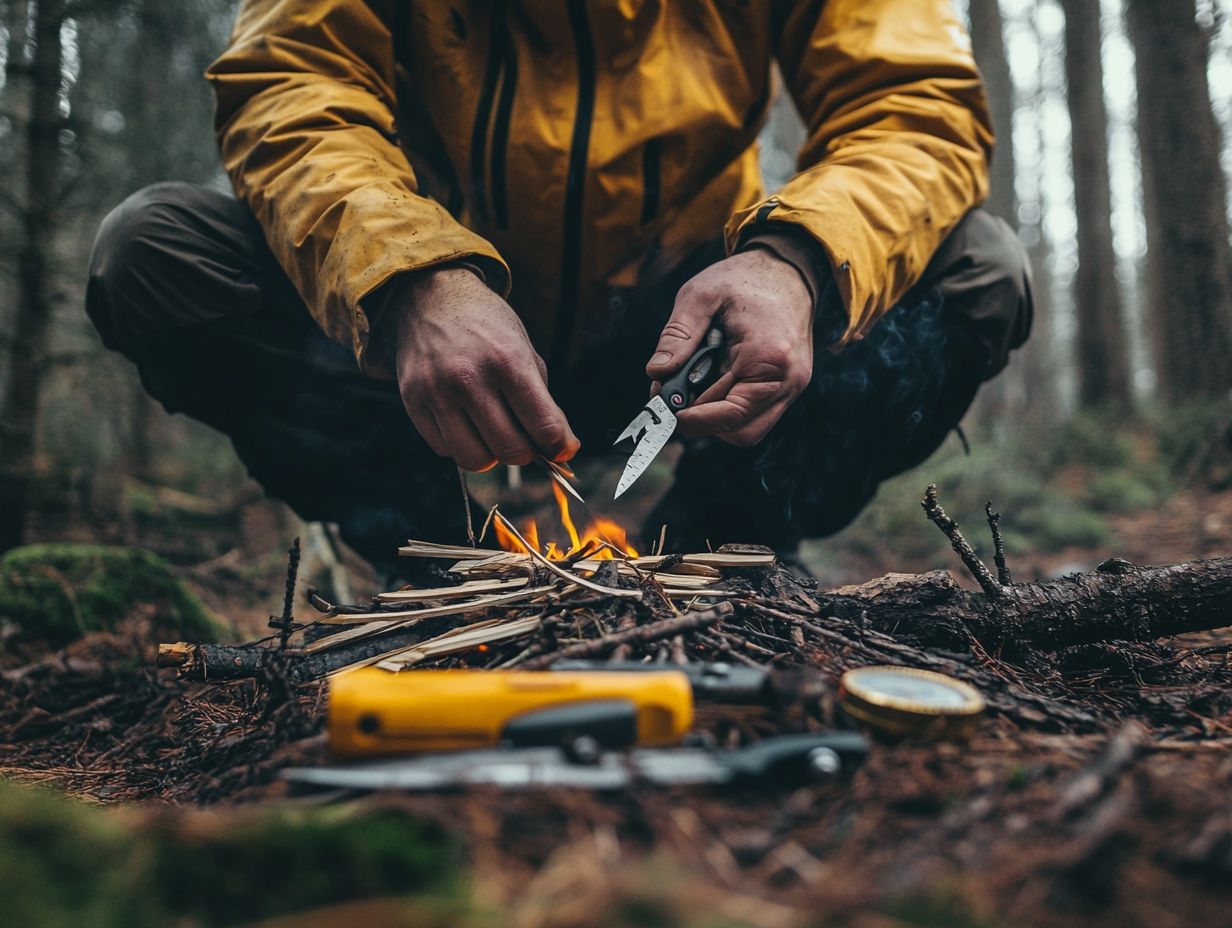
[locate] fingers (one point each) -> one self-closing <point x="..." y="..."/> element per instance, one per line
<point x="425" y="423"/>
<point x="540" y="418"/>
<point x="462" y="441"/>
<point x="506" y="422"/>
<point x="684" y="332"/>
<point x="756" y="429"/>
<point x="500" y="432"/>
<point x="743" y="403"/>
<point x="717" y="390"/>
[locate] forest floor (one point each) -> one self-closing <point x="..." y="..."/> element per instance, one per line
<point x="1120" y="818"/>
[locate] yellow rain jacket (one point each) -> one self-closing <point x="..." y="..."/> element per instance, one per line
<point x="567" y="147"/>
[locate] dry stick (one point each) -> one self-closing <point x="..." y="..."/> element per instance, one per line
<point x="998" y="545"/>
<point x="627" y="621"/>
<point x="642" y="634"/>
<point x="284" y="622"/>
<point x="979" y="570"/>
<point x="466" y="506"/>
<point x="227" y="662"/>
<point x="564" y="574"/>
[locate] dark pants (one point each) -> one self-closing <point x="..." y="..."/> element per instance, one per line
<point x="183" y="284"/>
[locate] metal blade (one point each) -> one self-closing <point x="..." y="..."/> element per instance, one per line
<point x="562" y="475"/>
<point x="657" y="428"/>
<point x="635" y="428"/>
<point x="511" y="769"/>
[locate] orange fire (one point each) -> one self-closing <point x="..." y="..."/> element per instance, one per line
<point x="602" y="534"/>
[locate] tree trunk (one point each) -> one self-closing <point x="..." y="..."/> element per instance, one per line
<point x="19" y="414"/>
<point x="1189" y="259"/>
<point x="988" y="42"/>
<point x="150" y="102"/>
<point x="16" y="20"/>
<point x="1103" y="347"/>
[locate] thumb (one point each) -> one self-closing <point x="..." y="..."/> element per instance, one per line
<point x="683" y="334"/>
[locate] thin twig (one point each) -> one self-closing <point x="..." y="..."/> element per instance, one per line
<point x="998" y="545"/>
<point x="979" y="570"/>
<point x="483" y="532"/>
<point x="285" y="622"/>
<point x="466" y="506"/>
<point x="642" y="634"/>
<point x="566" y="575"/>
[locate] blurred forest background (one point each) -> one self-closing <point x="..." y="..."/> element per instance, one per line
<point x="1110" y="432"/>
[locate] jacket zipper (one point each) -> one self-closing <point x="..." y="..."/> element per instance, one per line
<point x="651" y="161"/>
<point x="575" y="182"/>
<point x="500" y="131"/>
<point x="483" y="113"/>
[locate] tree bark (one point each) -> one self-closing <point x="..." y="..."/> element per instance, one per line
<point x="1116" y="601"/>
<point x="988" y="42"/>
<point x="1003" y="399"/>
<point x="1189" y="259"/>
<point x="1103" y="347"/>
<point x="31" y="325"/>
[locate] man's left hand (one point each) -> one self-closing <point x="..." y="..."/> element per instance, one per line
<point x="764" y="309"/>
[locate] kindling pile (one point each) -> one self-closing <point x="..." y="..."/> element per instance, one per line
<point x="516" y="593"/>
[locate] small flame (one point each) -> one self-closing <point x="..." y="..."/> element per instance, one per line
<point x="603" y="534"/>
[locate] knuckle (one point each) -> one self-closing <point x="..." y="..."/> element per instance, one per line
<point x="457" y="375"/>
<point x="798" y="381"/>
<point x="513" y="454"/>
<point x="675" y="329"/>
<point x="552" y="435"/>
<point x="778" y="353"/>
<point x="502" y="359"/>
<point x="695" y="289"/>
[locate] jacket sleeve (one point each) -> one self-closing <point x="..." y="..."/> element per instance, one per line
<point x="899" y="138"/>
<point x="305" y="120"/>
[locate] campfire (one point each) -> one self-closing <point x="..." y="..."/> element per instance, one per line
<point x="602" y="540"/>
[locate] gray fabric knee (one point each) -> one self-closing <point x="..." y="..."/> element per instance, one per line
<point x="125" y="259"/>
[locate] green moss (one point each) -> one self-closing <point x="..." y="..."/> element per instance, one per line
<point x="56" y="592"/>
<point x="1090" y="440"/>
<point x="63" y="863"/>
<point x="938" y="909"/>
<point x="1195" y="440"/>
<point x="306" y="860"/>
<point x="1056" y="523"/>
<point x="1128" y="490"/>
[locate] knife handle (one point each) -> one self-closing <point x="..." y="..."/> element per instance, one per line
<point x="680" y="390"/>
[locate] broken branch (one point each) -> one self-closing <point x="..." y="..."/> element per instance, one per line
<point x="978" y="569"/>
<point x="641" y="634"/>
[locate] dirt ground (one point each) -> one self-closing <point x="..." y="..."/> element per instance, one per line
<point x="1101" y="796"/>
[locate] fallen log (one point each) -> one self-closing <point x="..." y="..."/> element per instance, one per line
<point x="1117" y="601"/>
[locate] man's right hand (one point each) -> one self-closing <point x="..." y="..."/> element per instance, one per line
<point x="471" y="381"/>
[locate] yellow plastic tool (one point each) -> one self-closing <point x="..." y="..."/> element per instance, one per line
<point x="373" y="712"/>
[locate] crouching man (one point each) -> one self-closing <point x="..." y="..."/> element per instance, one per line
<point x="470" y="232"/>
